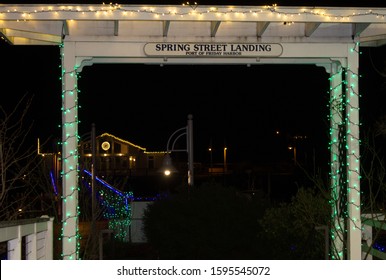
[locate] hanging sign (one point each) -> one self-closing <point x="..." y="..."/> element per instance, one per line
<point x="213" y="49"/>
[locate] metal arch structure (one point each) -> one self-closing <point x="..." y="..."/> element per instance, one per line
<point x="325" y="36"/>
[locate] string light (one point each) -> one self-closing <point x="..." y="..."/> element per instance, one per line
<point x="116" y="207"/>
<point x="26" y="12"/>
<point x="71" y="172"/>
<point x="341" y="93"/>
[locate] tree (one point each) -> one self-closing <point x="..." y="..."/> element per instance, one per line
<point x="23" y="182"/>
<point x="291" y="230"/>
<point x="298" y="229"/>
<point x="373" y="193"/>
<point x="216" y="222"/>
<point x="211" y="222"/>
<point x="373" y="185"/>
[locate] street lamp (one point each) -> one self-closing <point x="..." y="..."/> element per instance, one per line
<point x="211" y="160"/>
<point x="167" y="165"/>
<point x="294" y="151"/>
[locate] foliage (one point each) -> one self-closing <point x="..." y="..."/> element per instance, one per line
<point x="215" y="222"/>
<point x="209" y="222"/>
<point x="292" y="229"/>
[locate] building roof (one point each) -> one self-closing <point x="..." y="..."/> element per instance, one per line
<point x="121" y="140"/>
<point x="130" y="143"/>
<point x="42" y="24"/>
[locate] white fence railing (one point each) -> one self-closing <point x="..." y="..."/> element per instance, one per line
<point x="371" y="221"/>
<point x="32" y="239"/>
<point x="29" y="239"/>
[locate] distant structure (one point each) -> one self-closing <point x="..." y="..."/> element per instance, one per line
<point x="118" y="157"/>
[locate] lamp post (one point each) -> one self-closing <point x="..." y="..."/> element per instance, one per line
<point x="294" y="151"/>
<point x="183" y="131"/>
<point x="93" y="192"/>
<point x="211" y="160"/>
<point x="225" y="160"/>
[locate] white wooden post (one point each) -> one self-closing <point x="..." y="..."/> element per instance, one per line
<point x="354" y="228"/>
<point x="31" y="246"/>
<point x="69" y="152"/>
<point x="49" y="241"/>
<point x="14" y="249"/>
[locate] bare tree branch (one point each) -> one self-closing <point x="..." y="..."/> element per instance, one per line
<point x="21" y="175"/>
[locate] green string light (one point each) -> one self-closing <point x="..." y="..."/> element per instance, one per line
<point x="73" y="155"/>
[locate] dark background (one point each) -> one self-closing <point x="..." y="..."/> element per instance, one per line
<point x="233" y="105"/>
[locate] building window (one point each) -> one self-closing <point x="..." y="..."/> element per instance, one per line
<point x="117" y="148"/>
<point x="87" y="148"/>
<point x="132" y="162"/>
<point x="105" y="163"/>
<point x="150" y="162"/>
<point x="124" y="163"/>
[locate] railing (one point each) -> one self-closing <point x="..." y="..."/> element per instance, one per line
<point x="32" y="239"/>
<point x="28" y="239"/>
<point x="371" y="221"/>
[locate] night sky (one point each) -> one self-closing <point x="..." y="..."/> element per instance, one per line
<point x="237" y="106"/>
<point x="233" y="105"/>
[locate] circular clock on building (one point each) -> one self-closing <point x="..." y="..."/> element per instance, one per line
<point x="105" y="145"/>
